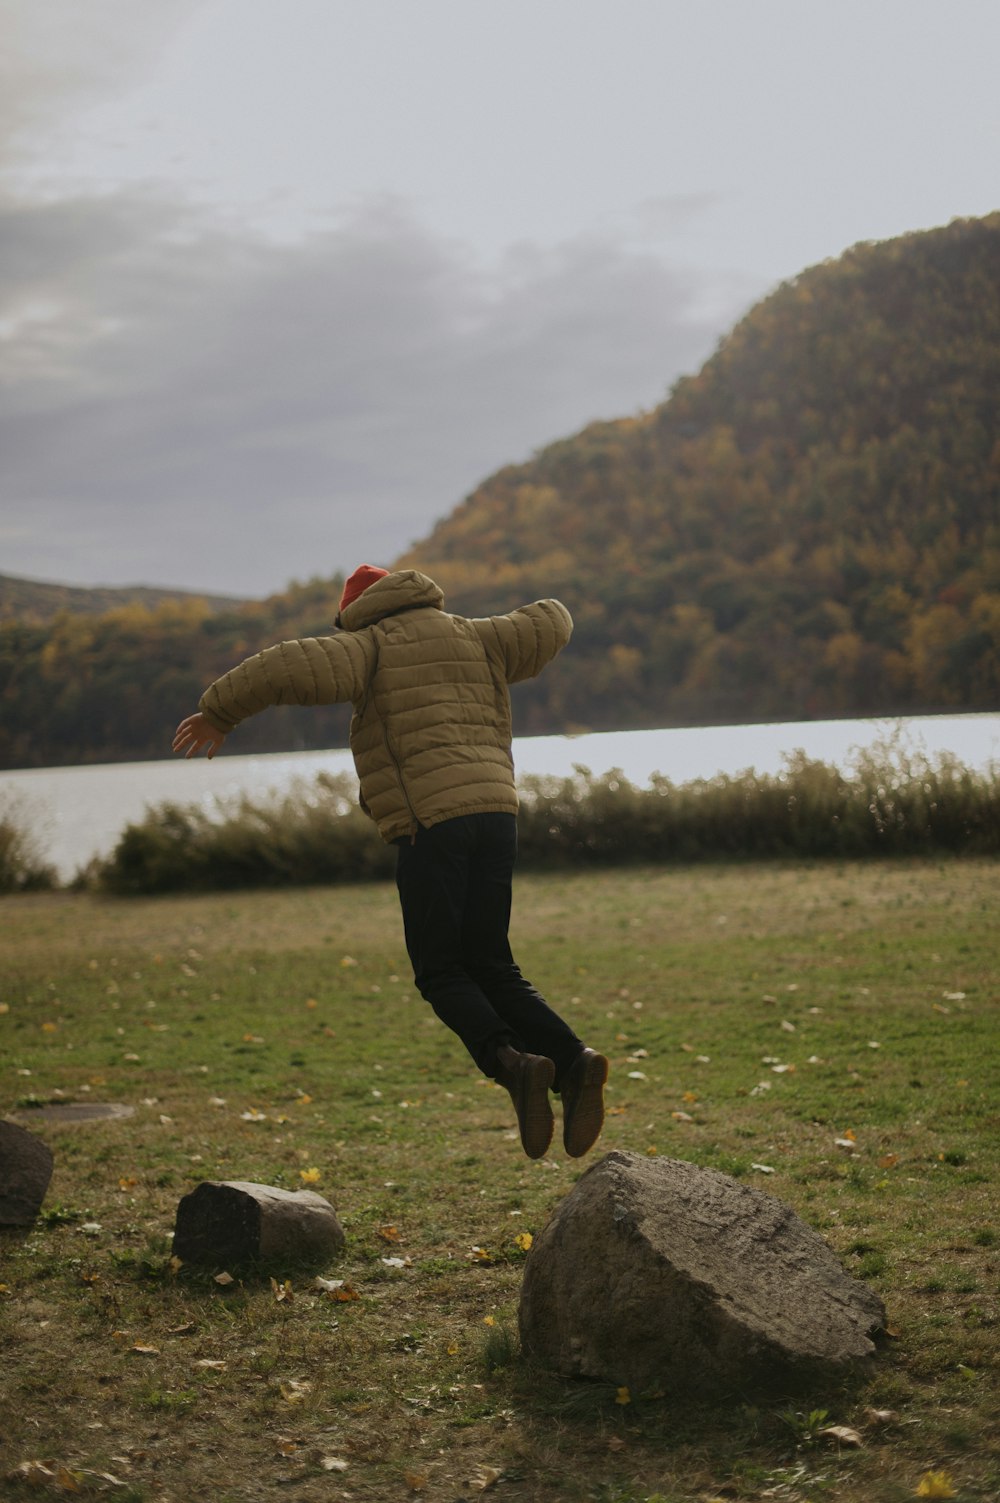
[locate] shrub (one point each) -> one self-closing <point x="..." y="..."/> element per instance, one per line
<point x="888" y="803"/>
<point x="314" y="834"/>
<point x="21" y="868"/>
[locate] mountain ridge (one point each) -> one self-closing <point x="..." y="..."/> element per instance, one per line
<point x="38" y="600"/>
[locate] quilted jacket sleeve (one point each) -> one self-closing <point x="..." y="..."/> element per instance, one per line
<point x="523" y="642"/>
<point x="309" y="671"/>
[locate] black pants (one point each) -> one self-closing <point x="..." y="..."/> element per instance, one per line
<point x="454" y="884"/>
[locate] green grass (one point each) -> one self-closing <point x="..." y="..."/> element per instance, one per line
<point x="265" y="1034"/>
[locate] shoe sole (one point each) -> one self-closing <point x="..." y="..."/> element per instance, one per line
<point x="582" y="1127"/>
<point x="534" y="1118"/>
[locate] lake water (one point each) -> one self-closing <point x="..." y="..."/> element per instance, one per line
<point x="75" y="813"/>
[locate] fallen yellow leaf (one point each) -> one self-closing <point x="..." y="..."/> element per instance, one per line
<point x="623" y="1396"/>
<point x="936" y="1485"/>
<point x="524" y="1240"/>
<point x="488" y="1320"/>
<point x="310" y="1176"/>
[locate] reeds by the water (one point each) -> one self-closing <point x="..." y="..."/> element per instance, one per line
<point x="888" y="803"/>
<point x="22" y="868"/>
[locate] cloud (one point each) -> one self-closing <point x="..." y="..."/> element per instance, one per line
<point x="184" y="404"/>
<point x="60" y="54"/>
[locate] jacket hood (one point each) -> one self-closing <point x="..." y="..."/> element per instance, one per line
<point x="401" y="590"/>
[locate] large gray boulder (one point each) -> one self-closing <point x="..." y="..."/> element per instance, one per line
<point x="25" y="1172"/>
<point x="235" y="1221"/>
<point x="657" y="1274"/>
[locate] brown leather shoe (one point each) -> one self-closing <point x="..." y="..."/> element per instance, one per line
<point x="528" y="1078"/>
<point x="583" y="1102"/>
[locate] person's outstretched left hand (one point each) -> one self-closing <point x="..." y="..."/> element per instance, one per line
<point x="196" y="732"/>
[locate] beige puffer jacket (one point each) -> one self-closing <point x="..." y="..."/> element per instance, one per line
<point x="431" y="731"/>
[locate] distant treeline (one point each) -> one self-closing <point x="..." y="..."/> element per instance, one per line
<point x="887" y="804"/>
<point x="111" y="687"/>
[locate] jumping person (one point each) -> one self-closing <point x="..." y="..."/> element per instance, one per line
<point x="431" y="738"/>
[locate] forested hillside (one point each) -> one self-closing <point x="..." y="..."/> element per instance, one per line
<point x="809" y="527"/>
<point x="36" y="600"/>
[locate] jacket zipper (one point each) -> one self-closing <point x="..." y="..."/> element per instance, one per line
<point x="402" y="786"/>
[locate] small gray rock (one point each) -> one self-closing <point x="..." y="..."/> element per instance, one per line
<point x="234" y="1221"/>
<point x="25" y="1172"/>
<point x="655" y="1273"/>
<point x="71" y="1113"/>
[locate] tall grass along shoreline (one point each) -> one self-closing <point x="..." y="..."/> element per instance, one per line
<point x="889" y="802"/>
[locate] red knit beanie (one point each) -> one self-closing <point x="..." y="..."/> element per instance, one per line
<point x="363" y="576"/>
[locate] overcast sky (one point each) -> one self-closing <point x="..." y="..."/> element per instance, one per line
<point x="281" y="281"/>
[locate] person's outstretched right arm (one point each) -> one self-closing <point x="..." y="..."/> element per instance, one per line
<point x="307" y="671"/>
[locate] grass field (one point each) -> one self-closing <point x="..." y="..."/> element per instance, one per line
<point x="753" y="1015"/>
